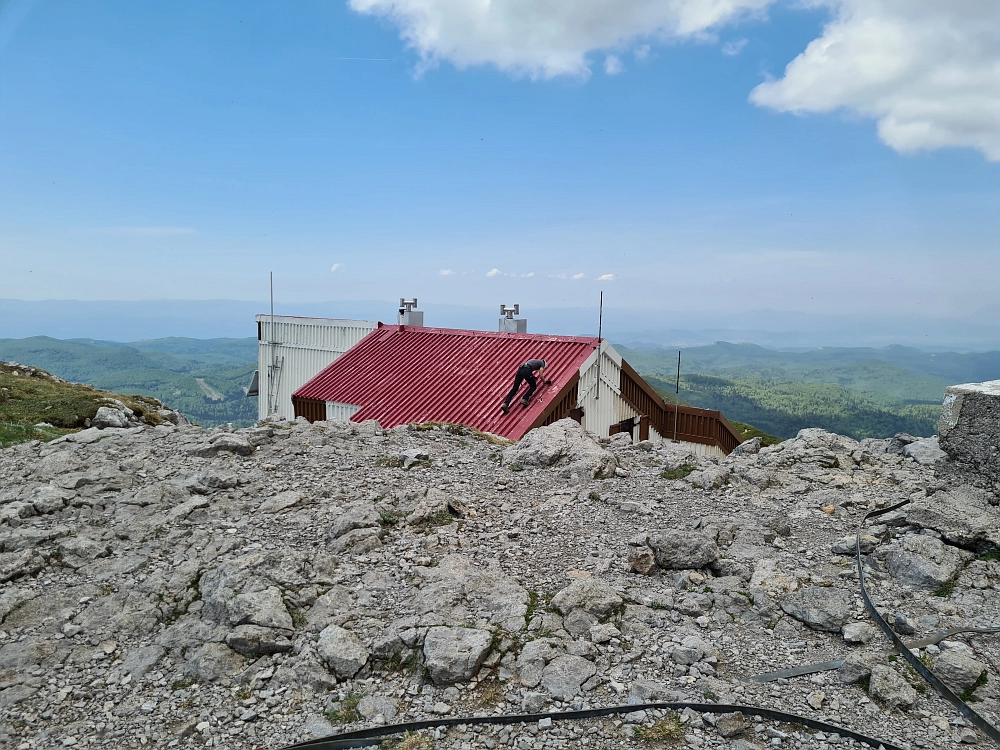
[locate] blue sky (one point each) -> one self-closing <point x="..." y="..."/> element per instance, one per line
<point x="183" y="150"/>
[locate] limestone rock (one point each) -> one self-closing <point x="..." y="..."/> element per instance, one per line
<point x="224" y="443"/>
<point x="857" y="632"/>
<point x="592" y="595"/>
<point x="958" y="670"/>
<point x="16" y="564"/>
<point x="730" y="725"/>
<point x="855" y="667"/>
<point x="108" y="416"/>
<point x="212" y="662"/>
<point x="681" y="550"/>
<point x="263" y="608"/>
<point x="455" y="654"/>
<point x="889" y="687"/>
<point x="342" y="651"/>
<point x="564" y="445"/>
<point x="564" y="676"/>
<point x="923" y="561"/>
<point x="818" y="607"/>
<point x="925" y="451"/>
<point x="768" y="576"/>
<point x="253" y="640"/>
<point x="962" y="515"/>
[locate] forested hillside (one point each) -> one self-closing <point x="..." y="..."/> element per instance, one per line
<point x="861" y="392"/>
<point x="205" y="379"/>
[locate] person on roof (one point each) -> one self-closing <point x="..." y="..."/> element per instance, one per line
<point x="525" y="373"/>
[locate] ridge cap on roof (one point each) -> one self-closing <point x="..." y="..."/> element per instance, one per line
<point x="491" y="334"/>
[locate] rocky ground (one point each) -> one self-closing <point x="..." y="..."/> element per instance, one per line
<point x="173" y="586"/>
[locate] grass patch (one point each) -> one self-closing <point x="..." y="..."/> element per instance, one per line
<point x="388" y="517"/>
<point x="748" y="432"/>
<point x="347" y="710"/>
<point x="679" y="472"/>
<point x="410" y="741"/>
<point x="12" y="434"/>
<point x="992" y="556"/>
<point x="489" y="693"/>
<point x="663" y="732"/>
<point x="968" y="694"/>
<point x="517" y="467"/>
<point x="865" y="682"/>
<point x="594" y="495"/>
<point x="442" y="518"/>
<point x="945" y="590"/>
<point x="243" y="693"/>
<point x="181" y="683"/>
<point x="458" y="429"/>
<point x="658" y="605"/>
<point x="389" y="462"/>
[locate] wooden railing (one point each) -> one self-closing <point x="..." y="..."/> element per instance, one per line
<point x="705" y="426"/>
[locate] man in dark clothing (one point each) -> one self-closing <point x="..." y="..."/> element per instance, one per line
<point x="525" y="372"/>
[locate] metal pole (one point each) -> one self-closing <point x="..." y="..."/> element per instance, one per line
<point x="270" y="369"/>
<point x="677" y="391"/>
<point x="600" y="325"/>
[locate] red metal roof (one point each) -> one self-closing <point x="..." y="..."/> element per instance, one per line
<point x="401" y="374"/>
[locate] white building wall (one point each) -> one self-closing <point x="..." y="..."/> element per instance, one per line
<point x="301" y="347"/>
<point x="340" y="411"/>
<point x="605" y="406"/>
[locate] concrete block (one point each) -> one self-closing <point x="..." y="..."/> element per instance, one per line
<point x="969" y="430"/>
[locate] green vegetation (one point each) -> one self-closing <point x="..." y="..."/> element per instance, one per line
<point x="203" y="379"/>
<point x="945" y="590"/>
<point x="346" y="711"/>
<point x="968" y="695"/>
<point x="35" y="406"/>
<point x="410" y="741"/>
<point x="678" y="472"/>
<point x="748" y="432"/>
<point x="666" y="731"/>
<point x="861" y="392"/>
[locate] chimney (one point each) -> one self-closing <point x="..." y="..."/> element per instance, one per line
<point x="408" y="316"/>
<point x="510" y="324"/>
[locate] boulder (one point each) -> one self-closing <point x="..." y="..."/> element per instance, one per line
<point x="592" y="595"/>
<point x="378" y="705"/>
<point x="264" y="608"/>
<point x="731" y="725"/>
<point x="108" y="416"/>
<point x="820" y="608"/>
<point x="141" y="660"/>
<point x="565" y="675"/>
<point x="925" y="451"/>
<point x="711" y="477"/>
<point x="224" y="443"/>
<point x="768" y="576"/>
<point x="958" y="670"/>
<point x="963" y="516"/>
<point x="749" y="447"/>
<point x="968" y="429"/>
<point x="642" y="561"/>
<point x="455" y="654"/>
<point x="857" y="632"/>
<point x="923" y="561"/>
<point x="855" y="667"/>
<point x="564" y="445"/>
<point x="889" y="687"/>
<point x="16" y="564"/>
<point x="342" y="651"/>
<point x="682" y="550"/>
<point x="212" y="662"/>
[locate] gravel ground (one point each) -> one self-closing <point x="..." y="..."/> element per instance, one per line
<point x="175" y="587"/>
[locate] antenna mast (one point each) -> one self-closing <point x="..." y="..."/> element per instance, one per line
<point x="677" y="390"/>
<point x="600" y="325"/>
<point x="270" y="373"/>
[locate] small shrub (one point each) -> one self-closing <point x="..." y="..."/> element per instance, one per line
<point x="968" y="695"/>
<point x="517" y="467"/>
<point x="666" y="731"/>
<point x="181" y="683"/>
<point x="945" y="590"/>
<point x="658" y="605"/>
<point x="410" y="741"/>
<point x="389" y="517"/>
<point x="594" y="495"/>
<point x="390" y="462"/>
<point x="679" y="472"/>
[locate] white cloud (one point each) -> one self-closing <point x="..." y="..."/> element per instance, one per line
<point x="527" y="275"/>
<point x="336" y="267"/>
<point x="578" y="276"/>
<point x="642" y="52"/>
<point x="494" y="272"/>
<point x="734" y="48"/>
<point x="927" y="71"/>
<point x="446" y="272"/>
<point x="613" y="65"/>
<point x="549" y="38"/>
<point x="606" y="277"/>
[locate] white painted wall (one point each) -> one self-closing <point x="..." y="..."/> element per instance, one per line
<point x="304" y="347"/>
<point x="605" y="406"/>
<point x="338" y="410"/>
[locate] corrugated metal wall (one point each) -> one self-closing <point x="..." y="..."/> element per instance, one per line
<point x="305" y="346"/>
<point x="604" y="406"/>
<point x="344" y="412"/>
